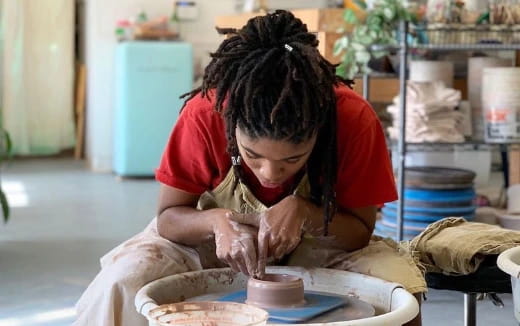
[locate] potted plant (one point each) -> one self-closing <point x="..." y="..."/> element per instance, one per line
<point x="6" y="148"/>
<point x="378" y="27"/>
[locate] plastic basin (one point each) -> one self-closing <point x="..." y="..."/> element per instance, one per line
<point x="509" y="262"/>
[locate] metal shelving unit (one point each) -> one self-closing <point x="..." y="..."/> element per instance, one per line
<point x="402" y="147"/>
<point x="452" y="47"/>
<point x="465" y="146"/>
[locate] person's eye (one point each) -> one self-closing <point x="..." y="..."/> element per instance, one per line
<point x="251" y="156"/>
<point x="292" y="160"/>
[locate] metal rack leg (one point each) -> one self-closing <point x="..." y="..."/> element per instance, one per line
<point x="505" y="164"/>
<point x="470" y="309"/>
<point x="401" y="148"/>
<point x="366" y="87"/>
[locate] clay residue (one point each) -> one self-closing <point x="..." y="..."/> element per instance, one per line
<point x="153" y="251"/>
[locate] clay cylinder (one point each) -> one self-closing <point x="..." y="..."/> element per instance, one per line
<point x="275" y="291"/>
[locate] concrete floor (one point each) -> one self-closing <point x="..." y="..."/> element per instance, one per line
<point x="65" y="217"/>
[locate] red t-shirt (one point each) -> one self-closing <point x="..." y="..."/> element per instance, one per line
<point x="195" y="158"/>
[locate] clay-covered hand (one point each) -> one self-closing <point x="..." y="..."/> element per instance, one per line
<point x="279" y="228"/>
<point x="236" y="244"/>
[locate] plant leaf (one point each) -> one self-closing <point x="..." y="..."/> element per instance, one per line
<point x="5" y="206"/>
<point x="340" y="45"/>
<point x="350" y="16"/>
<point x="389" y="13"/>
<point x="362" y="57"/>
<point x="9" y="144"/>
<point x="6" y="145"/>
<point x="353" y="70"/>
<point x="358" y="46"/>
<point x="366" y="40"/>
<point x="365" y="69"/>
<point x="341" y="71"/>
<point x="360" y="4"/>
<point x="379" y="54"/>
<point x="374" y="22"/>
<point x="349" y="56"/>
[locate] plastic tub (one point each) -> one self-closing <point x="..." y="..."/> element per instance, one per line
<point x="509" y="262"/>
<point x="509" y="221"/>
<point x="393" y="304"/>
<point x="208" y="313"/>
<point x="513" y="199"/>
<point x="501" y="104"/>
<point x="423" y="71"/>
<point x="476" y="66"/>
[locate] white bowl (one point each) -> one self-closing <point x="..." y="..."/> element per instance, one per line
<point x="510" y="221"/>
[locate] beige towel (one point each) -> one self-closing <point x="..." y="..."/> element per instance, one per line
<point x="455" y="246"/>
<point x="431" y="114"/>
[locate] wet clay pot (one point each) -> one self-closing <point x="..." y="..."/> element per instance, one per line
<point x="275" y="291"/>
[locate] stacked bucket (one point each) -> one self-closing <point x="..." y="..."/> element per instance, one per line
<point x="431" y="194"/>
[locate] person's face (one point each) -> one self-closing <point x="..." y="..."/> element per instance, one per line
<point x="273" y="161"/>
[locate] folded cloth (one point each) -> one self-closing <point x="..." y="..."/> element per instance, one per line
<point x="431" y="95"/>
<point x="431" y="114"/>
<point x="454" y="246"/>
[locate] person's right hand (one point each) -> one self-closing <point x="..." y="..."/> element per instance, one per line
<point x="236" y="243"/>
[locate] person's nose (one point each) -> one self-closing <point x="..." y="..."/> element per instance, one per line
<point x="271" y="171"/>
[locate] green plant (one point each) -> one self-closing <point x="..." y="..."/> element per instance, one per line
<point x="6" y="150"/>
<point x="379" y="27"/>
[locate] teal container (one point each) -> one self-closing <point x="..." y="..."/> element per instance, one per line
<point x="150" y="77"/>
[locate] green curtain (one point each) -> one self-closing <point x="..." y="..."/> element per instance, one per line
<point x="38" y="74"/>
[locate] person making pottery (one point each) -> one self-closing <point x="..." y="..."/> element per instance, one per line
<point x="273" y="160"/>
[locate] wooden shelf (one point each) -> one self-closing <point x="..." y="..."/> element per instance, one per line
<point x="317" y="20"/>
<point x="383" y="90"/>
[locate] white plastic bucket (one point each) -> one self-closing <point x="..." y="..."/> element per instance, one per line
<point x="509" y="262"/>
<point x="513" y="199"/>
<point x="394" y="305"/>
<point x="423" y="71"/>
<point x="476" y="66"/>
<point x="501" y="104"/>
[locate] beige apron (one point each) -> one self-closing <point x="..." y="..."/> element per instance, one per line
<point x="109" y="299"/>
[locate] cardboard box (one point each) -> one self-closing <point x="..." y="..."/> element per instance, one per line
<point x="317" y="20"/>
<point x="383" y="90"/>
<point x="326" y="46"/>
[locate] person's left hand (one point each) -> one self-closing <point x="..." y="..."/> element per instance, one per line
<point x="279" y="228"/>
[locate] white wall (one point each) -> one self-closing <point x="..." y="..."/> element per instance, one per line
<point x="101" y="16"/>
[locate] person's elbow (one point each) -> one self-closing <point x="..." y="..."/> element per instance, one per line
<point x="164" y="228"/>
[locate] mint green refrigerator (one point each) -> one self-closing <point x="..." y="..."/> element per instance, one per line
<point x="150" y="77"/>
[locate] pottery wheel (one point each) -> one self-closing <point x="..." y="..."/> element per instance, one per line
<point x="352" y="310"/>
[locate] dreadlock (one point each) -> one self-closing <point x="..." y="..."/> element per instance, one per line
<point x="270" y="80"/>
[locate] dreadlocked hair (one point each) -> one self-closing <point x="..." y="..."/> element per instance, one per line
<point x="269" y="80"/>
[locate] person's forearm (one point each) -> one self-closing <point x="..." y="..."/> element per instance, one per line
<point x="347" y="231"/>
<point x="187" y="225"/>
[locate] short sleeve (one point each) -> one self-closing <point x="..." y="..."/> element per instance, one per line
<point x="365" y="176"/>
<point x="187" y="162"/>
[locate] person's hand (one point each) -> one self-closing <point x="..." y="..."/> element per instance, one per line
<point x="279" y="228"/>
<point x="235" y="244"/>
